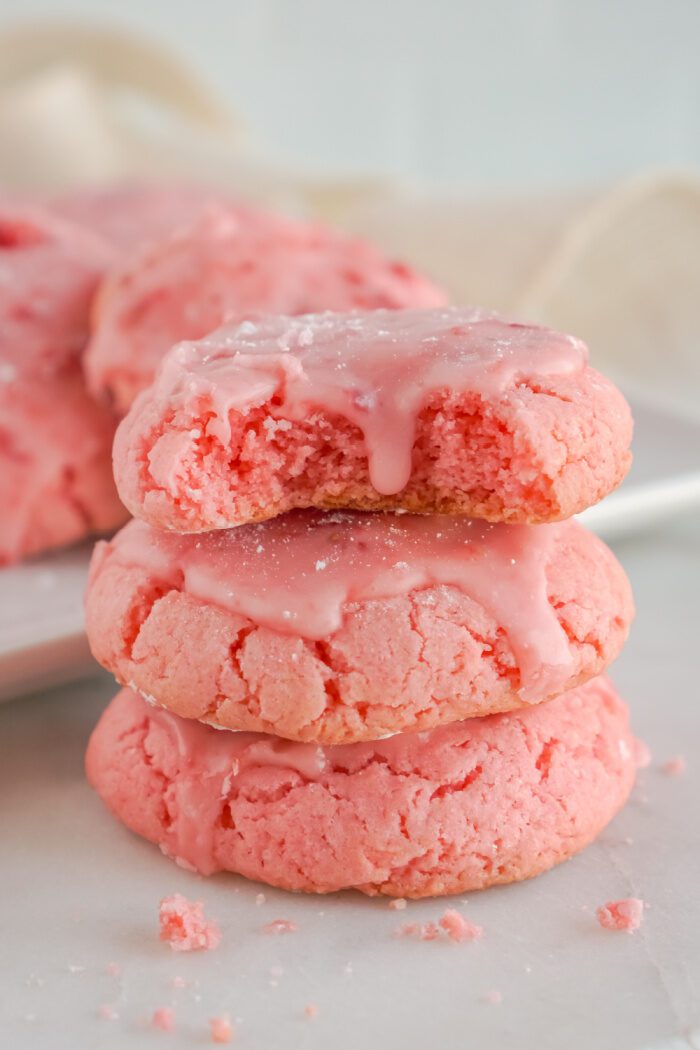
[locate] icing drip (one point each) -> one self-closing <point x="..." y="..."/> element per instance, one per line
<point x="299" y="572"/>
<point x="377" y="370"/>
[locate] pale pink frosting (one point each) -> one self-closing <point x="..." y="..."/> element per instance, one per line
<point x="377" y="370"/>
<point x="224" y="265"/>
<point x="297" y="574"/>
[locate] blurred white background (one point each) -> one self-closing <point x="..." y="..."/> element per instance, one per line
<point x="486" y="94"/>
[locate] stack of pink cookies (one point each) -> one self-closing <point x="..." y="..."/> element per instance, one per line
<point x="361" y="643"/>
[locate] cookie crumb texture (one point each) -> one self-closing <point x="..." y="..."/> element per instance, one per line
<point x="184" y="927"/>
<point x="203" y="449"/>
<point x="468" y="805"/>
<point x="625" y="915"/>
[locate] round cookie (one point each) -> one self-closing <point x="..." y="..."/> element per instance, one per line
<point x="55" y="464"/>
<point x="345" y="626"/>
<point x="465" y="806"/>
<point x="432" y="411"/>
<point x="50" y="270"/>
<point x="229" y="264"/>
<point x="129" y="214"/>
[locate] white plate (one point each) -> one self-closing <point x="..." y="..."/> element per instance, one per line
<point x="41" y="622"/>
<point x="77" y="890"/>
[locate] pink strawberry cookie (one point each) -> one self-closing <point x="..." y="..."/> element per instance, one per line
<point x="347" y="626"/>
<point x="229" y="264"/>
<point x="484" y="801"/>
<point x="129" y="214"/>
<point x="436" y="411"/>
<point x="49" y="272"/>
<point x="55" y="473"/>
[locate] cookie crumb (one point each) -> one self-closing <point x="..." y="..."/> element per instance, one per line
<point x="220" y="1029"/>
<point x="260" y="899"/>
<point x="178" y="982"/>
<point x="311" y="1011"/>
<point x="675" y="767"/>
<point x="625" y="914"/>
<point x="163" y="1019"/>
<point x="642" y="754"/>
<point x="424" y="931"/>
<point x="458" y="928"/>
<point x="398" y="904"/>
<point x="280" y="926"/>
<point x="492" y="997"/>
<point x="106" y="1012"/>
<point x="113" y="969"/>
<point x="183" y="926"/>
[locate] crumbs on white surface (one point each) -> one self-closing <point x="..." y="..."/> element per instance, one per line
<point x="625" y="914"/>
<point x="163" y="1019"/>
<point x="493" y="997"/>
<point x="113" y="969"/>
<point x="260" y="899"/>
<point x="452" y="926"/>
<point x="398" y="904"/>
<point x="458" y="928"/>
<point x="107" y="1012"/>
<point x="184" y="927"/>
<point x="311" y="1011"/>
<point x="674" y="767"/>
<point x="280" y="926"/>
<point x="642" y="754"/>
<point x="221" y="1029"/>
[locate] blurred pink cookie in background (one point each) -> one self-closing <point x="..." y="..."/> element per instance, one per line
<point x="476" y="803"/>
<point x="55" y="441"/>
<point x="343" y="627"/>
<point x="449" y="411"/>
<point x="129" y="214"/>
<point x="49" y="271"/>
<point x="227" y="264"/>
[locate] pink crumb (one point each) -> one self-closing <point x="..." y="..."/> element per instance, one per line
<point x="624" y="914"/>
<point x="424" y="931"/>
<point x="493" y="997"/>
<point x="398" y="904"/>
<point x="311" y="1011"/>
<point x="178" y="982"/>
<point x="163" y="1019"/>
<point x="113" y="969"/>
<point x="221" y="1030"/>
<point x="107" y="1013"/>
<point x="642" y="754"/>
<point x="675" y="767"/>
<point x="183" y="926"/>
<point x="280" y="926"/>
<point x="458" y="928"/>
<point x="260" y="899"/>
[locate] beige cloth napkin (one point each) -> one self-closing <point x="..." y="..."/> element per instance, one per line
<point x="618" y="265"/>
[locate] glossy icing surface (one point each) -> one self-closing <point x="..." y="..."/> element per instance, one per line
<point x="297" y="573"/>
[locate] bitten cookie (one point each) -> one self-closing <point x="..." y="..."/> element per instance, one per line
<point x="436" y="411"/>
<point x="228" y="264"/>
<point x="475" y="803"/>
<point x="55" y="478"/>
<point x="346" y="626"/>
